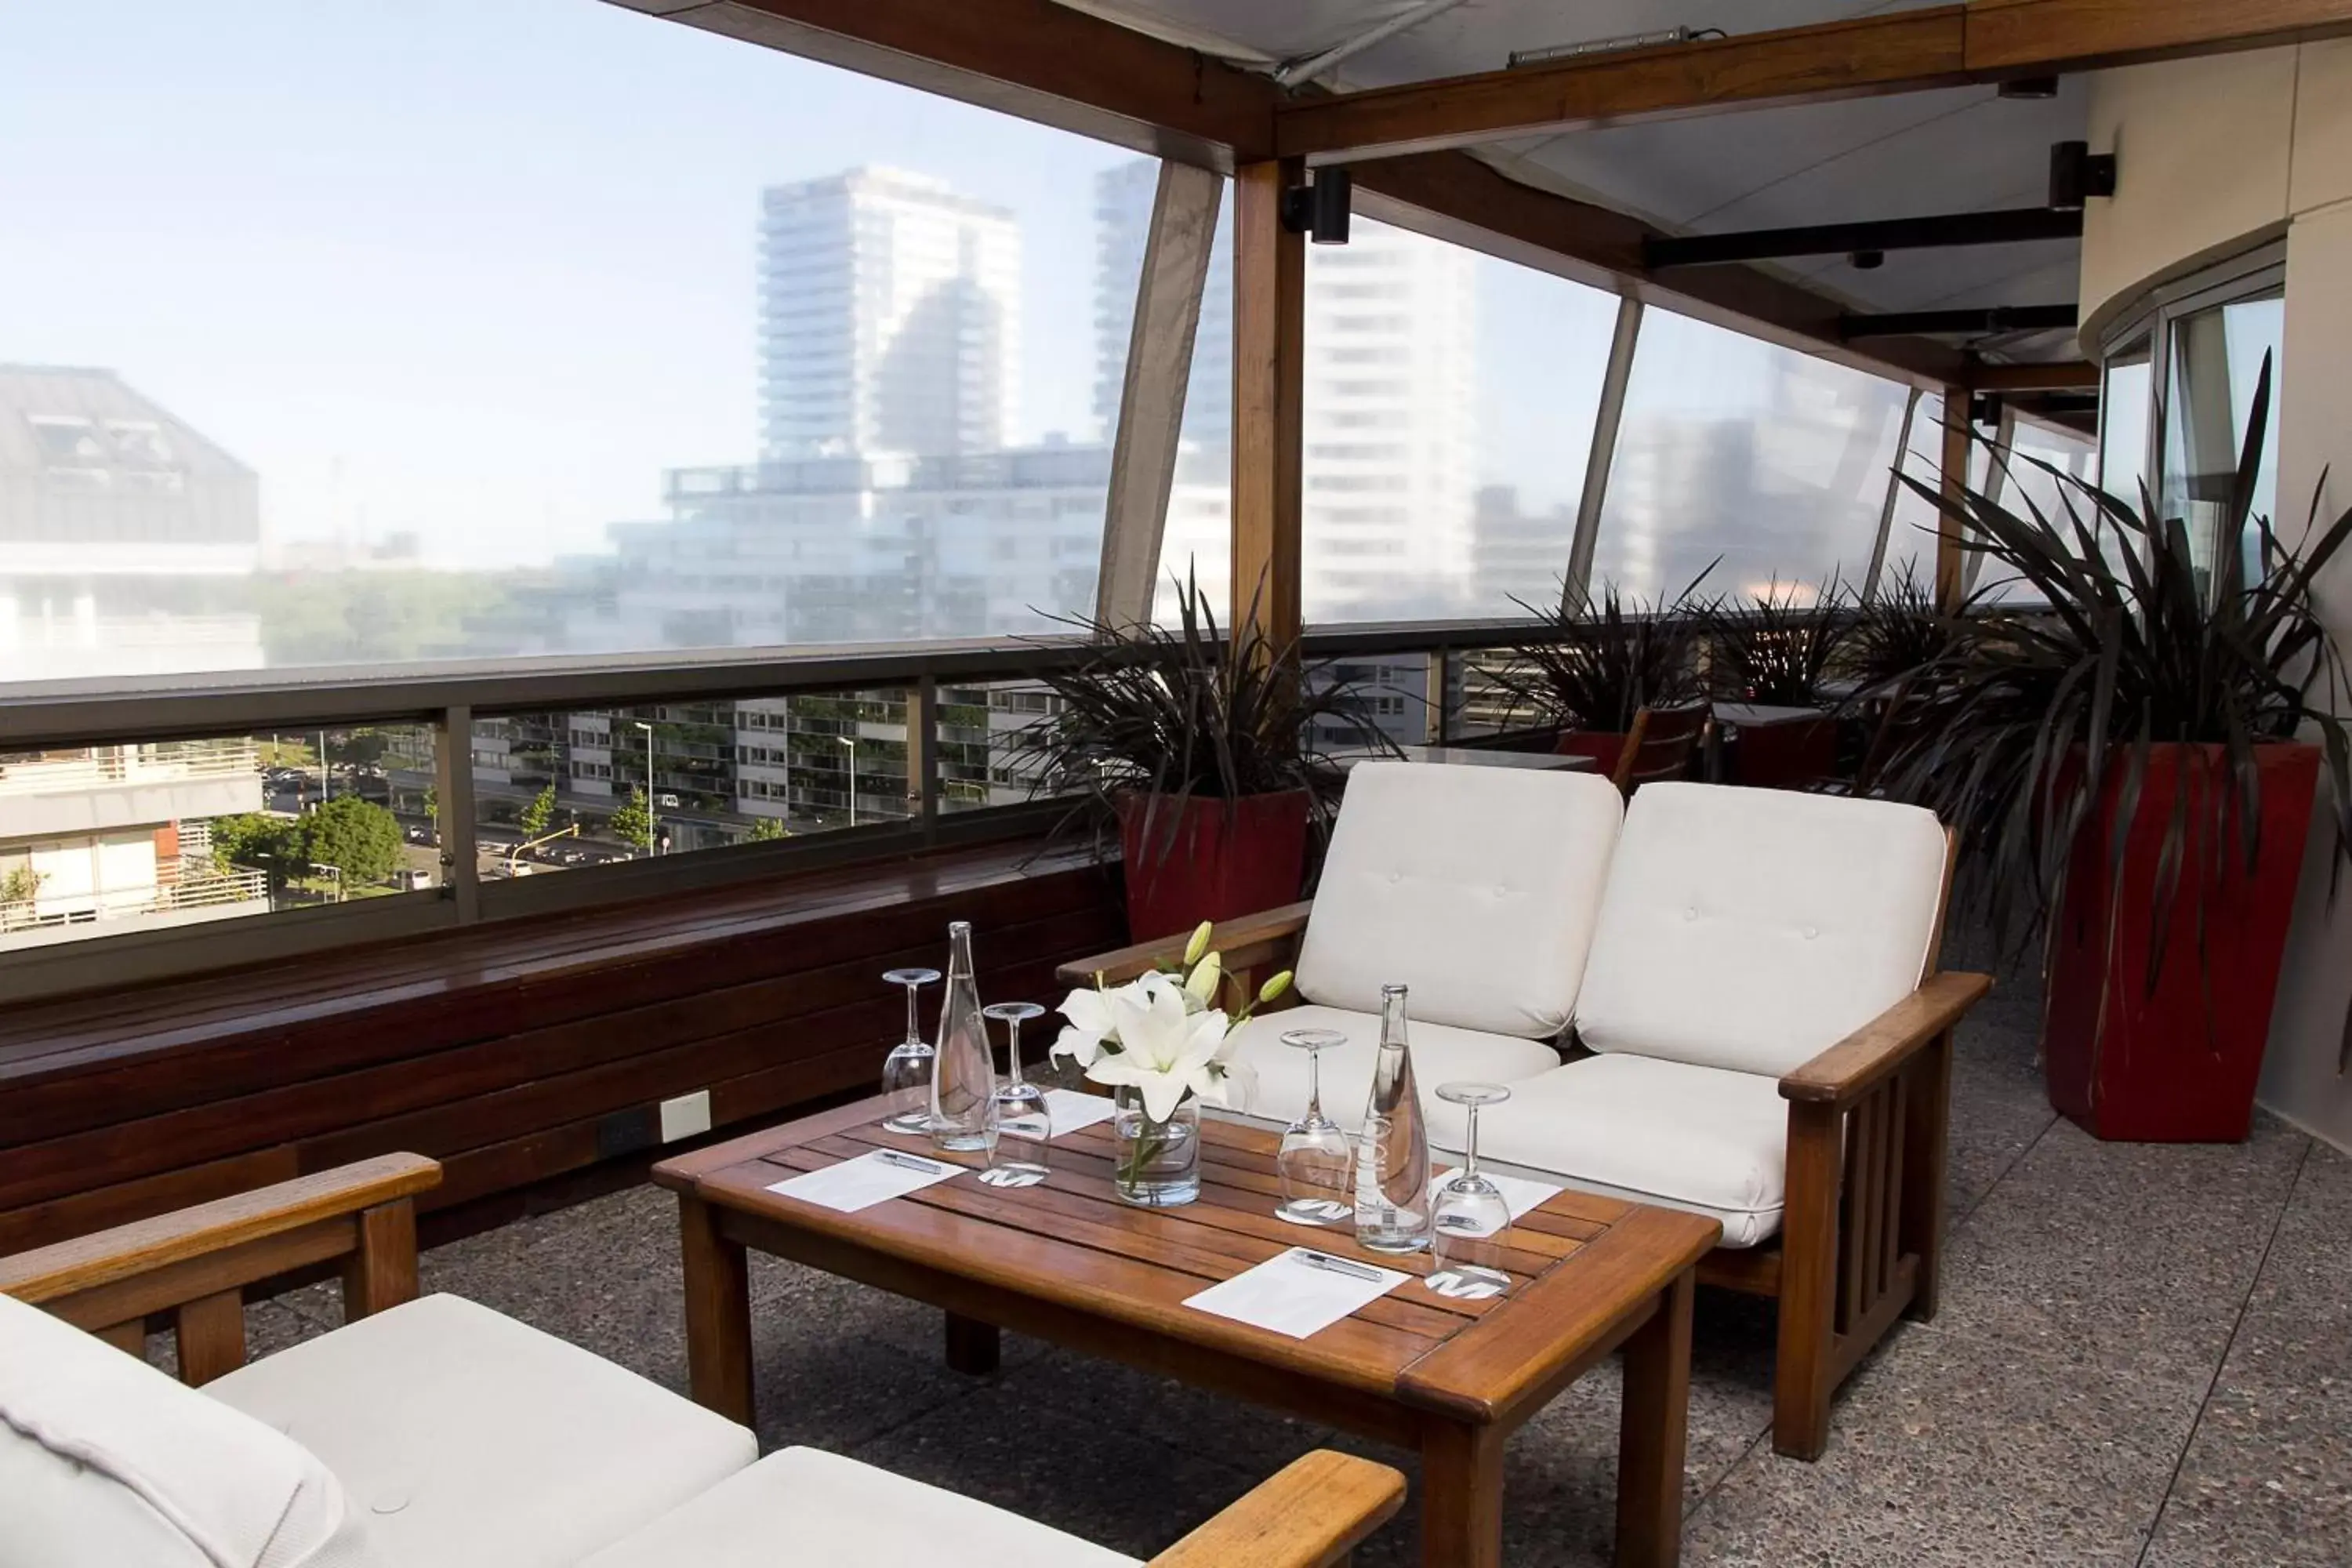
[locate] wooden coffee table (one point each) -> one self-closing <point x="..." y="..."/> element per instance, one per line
<point x="1066" y="1261"/>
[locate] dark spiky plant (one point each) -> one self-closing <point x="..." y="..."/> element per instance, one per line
<point x="2040" y="715"/>
<point x="1777" y="647"/>
<point x="1897" y="635"/>
<point x="1185" y="712"/>
<point x="1593" y="666"/>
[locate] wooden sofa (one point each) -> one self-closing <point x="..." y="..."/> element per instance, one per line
<point x="433" y="1432"/>
<point x="1521" y="908"/>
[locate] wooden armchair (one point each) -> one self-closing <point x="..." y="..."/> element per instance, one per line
<point x="1845" y="1131"/>
<point x="1659" y="746"/>
<point x="558" y="1461"/>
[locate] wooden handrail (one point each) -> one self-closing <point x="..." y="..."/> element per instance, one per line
<point x="1846" y="1069"/>
<point x="1310" y="1513"/>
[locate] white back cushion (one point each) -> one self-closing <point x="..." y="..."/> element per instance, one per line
<point x="1751" y="929"/>
<point x="1475" y="886"/>
<point x="105" y="1462"/>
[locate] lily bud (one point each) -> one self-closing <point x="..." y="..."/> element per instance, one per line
<point x="1201" y="987"/>
<point x="1199" y="944"/>
<point x="1274" y="987"/>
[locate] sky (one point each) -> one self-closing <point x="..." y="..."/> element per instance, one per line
<point x="478" y="268"/>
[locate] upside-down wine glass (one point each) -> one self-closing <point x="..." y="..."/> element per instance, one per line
<point x="1314" y="1157"/>
<point x="1023" y="1122"/>
<point x="1469" y="1213"/>
<point x="907" y="1070"/>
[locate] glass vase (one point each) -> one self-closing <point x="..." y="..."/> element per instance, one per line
<point x="1158" y="1162"/>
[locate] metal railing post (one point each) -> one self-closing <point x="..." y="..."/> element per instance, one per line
<point x="453" y="811"/>
<point x="1577" y="586"/>
<point x="923" y="755"/>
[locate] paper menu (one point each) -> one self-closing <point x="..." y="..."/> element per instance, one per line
<point x="868" y="1180"/>
<point x="1522" y="1196"/>
<point x="1299" y="1292"/>
<point x="1072" y="1110"/>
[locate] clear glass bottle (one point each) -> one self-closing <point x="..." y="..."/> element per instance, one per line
<point x="1393" y="1150"/>
<point x="963" y="1078"/>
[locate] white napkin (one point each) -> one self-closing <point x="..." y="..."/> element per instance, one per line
<point x="1299" y="1292"/>
<point x="868" y="1180"/>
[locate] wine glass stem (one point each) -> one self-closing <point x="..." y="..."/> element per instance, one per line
<point x="1471" y="1169"/>
<point x="1013" y="1052"/>
<point x="914" y="1035"/>
<point x="1314" y="1086"/>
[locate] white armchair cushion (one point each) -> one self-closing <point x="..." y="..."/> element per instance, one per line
<point x="1475" y="886"/>
<point x="1752" y="929"/>
<point x="1701" y="1139"/>
<point x="107" y="1463"/>
<point x="806" y="1506"/>
<point x="1439" y="1054"/>
<point x="477" y="1442"/>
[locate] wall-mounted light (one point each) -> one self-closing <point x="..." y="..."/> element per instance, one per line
<point x="2077" y="173"/>
<point x="2029" y="87"/>
<point x="1320" y="210"/>
<point x="1984" y="408"/>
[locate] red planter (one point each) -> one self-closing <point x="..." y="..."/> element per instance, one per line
<point x="1797" y="754"/>
<point x="1221" y="858"/>
<point x="1604" y="746"/>
<point x="2176" y="1065"/>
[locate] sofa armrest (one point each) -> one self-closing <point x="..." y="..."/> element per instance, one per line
<point x="1310" y="1513"/>
<point x="1251" y="943"/>
<point x="1842" y="1073"/>
<point x="359" y="1212"/>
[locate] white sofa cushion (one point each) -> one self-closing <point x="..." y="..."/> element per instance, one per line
<point x="804" y="1506"/>
<point x="1475" y="886"/>
<point x="1439" y="1056"/>
<point x="477" y="1442"/>
<point x="1701" y="1139"/>
<point x="106" y="1463"/>
<point x="1752" y="929"/>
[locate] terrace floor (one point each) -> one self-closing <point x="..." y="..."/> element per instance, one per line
<point x="2144" y="1357"/>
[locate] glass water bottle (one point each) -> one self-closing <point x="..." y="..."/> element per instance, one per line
<point x="1393" y="1151"/>
<point x="963" y="1081"/>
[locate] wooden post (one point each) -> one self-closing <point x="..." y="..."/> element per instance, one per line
<point x="1950" y="564"/>
<point x="1928" y="1111"/>
<point x="1269" y="372"/>
<point x="1805" y="1371"/>
<point x="973" y="1346"/>
<point x="381" y="1272"/>
<point x="212" y="1336"/>
<point x="718" y="1313"/>
<point x="1654" y="1430"/>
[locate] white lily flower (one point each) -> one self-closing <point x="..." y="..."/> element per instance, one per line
<point x="1165" y="1052"/>
<point x="1200" y="985"/>
<point x="1090" y="1025"/>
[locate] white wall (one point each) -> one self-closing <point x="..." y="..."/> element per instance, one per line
<point x="2215" y="155"/>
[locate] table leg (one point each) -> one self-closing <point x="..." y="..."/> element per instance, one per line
<point x="1652" y="1431"/>
<point x="1461" y="1496"/>
<point x="973" y="1346"/>
<point x="718" y="1312"/>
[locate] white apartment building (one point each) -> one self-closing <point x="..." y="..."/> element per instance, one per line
<point x="889" y="318"/>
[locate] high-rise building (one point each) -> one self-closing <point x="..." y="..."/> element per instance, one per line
<point x="889" y="319"/>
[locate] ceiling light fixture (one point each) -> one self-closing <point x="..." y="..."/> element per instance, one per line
<point x="1867" y="260"/>
<point x="1608" y="46"/>
<point x="2029" y="87"/>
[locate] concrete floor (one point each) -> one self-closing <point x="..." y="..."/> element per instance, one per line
<point x="2144" y="1357"/>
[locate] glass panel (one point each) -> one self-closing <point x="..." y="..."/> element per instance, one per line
<point x="1911" y="533"/>
<point x="1733" y="447"/>
<point x="784" y="353"/>
<point x="553" y="791"/>
<point x="982" y="762"/>
<point x="210" y="829"/>
<point x="1448" y="417"/>
<point x="2125" y="409"/>
<point x="2216" y="359"/>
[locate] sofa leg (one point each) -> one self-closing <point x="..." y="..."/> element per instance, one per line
<point x="1805" y="1369"/>
<point x="1928" y="1112"/>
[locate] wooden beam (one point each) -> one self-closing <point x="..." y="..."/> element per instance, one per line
<point x="1269" y="370"/>
<point x="1903" y="51"/>
<point x="1151" y="405"/>
<point x="2072" y="375"/>
<point x="1034" y="58"/>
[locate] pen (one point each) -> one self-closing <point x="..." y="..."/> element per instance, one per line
<point x="907" y="1162"/>
<point x="1330" y="1265"/>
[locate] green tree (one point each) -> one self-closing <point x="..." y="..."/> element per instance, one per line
<point x="358" y="838"/>
<point x="250" y="837"/>
<point x="632" y="820"/>
<point x="765" y="829"/>
<point x="536" y="816"/>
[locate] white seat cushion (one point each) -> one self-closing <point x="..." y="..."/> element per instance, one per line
<point x="107" y="1463"/>
<point x="477" y="1442"/>
<point x="1753" y="928"/>
<point x="803" y="1506"/>
<point x="1475" y="886"/>
<point x="1440" y="1054"/>
<point x="1701" y="1139"/>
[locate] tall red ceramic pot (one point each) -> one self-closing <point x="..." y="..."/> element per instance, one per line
<point x="1199" y="861"/>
